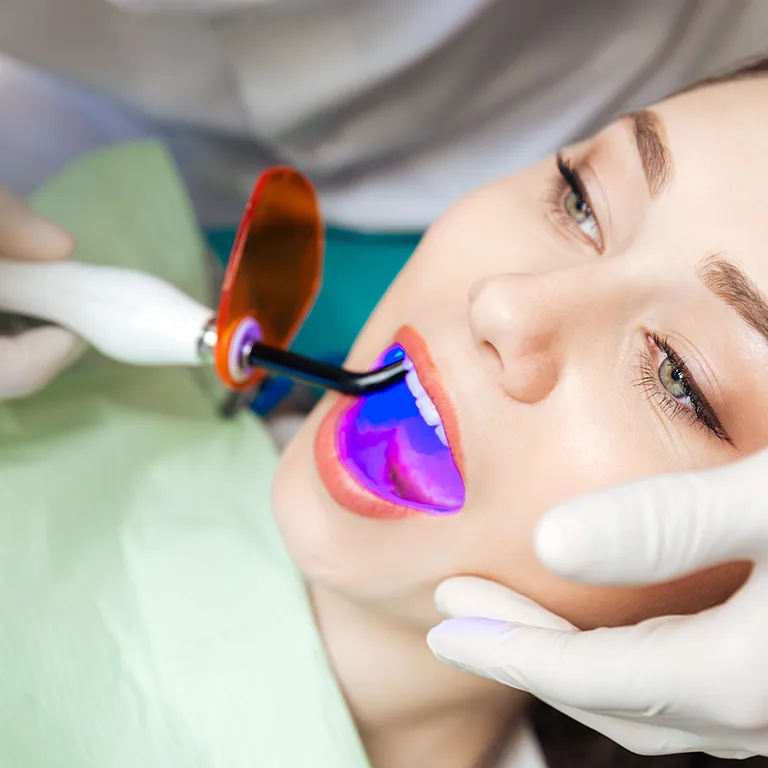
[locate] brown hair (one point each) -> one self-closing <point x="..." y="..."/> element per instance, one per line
<point x="568" y="744"/>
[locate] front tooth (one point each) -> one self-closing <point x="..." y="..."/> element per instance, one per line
<point x="440" y="432"/>
<point x="407" y="364"/>
<point x="412" y="380"/>
<point x="428" y="411"/>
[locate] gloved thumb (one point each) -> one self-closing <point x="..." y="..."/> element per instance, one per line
<point x="26" y="235"/>
<point x="470" y="596"/>
<point x="659" y="528"/>
<point x="32" y="359"/>
<point x="479" y="613"/>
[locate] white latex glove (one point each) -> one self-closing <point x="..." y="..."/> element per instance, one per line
<point x="665" y="686"/>
<point x="30" y="360"/>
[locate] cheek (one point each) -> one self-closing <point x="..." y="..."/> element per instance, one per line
<point x="301" y="517"/>
<point x="563" y="455"/>
<point x="498" y="229"/>
<point x="449" y="259"/>
<point x="509" y="559"/>
<point x="592" y="607"/>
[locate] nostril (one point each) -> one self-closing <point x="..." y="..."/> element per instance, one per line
<point x="491" y="353"/>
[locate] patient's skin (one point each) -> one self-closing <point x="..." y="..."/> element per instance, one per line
<point x="537" y="331"/>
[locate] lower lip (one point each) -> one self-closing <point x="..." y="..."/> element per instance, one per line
<point x="340" y="481"/>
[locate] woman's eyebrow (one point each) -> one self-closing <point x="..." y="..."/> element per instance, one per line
<point x="652" y="148"/>
<point x="731" y="284"/>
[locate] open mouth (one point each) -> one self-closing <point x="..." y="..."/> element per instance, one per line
<point x="394" y="444"/>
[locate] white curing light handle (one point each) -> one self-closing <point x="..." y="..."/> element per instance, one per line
<point x="129" y="316"/>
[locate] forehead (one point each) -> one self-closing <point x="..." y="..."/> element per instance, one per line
<point x="718" y="196"/>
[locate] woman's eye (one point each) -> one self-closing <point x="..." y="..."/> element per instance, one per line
<point x="571" y="204"/>
<point x="579" y="211"/>
<point x="674" y="389"/>
<point x="673" y="380"/>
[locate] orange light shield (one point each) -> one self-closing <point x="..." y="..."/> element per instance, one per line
<point x="274" y="271"/>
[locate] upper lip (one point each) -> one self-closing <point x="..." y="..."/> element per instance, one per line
<point x="418" y="352"/>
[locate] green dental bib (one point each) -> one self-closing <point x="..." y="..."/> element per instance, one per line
<point x="149" y="614"/>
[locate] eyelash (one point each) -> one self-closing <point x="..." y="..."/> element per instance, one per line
<point x="699" y="412"/>
<point x="569" y="182"/>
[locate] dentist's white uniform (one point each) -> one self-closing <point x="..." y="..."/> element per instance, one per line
<point x="395" y="107"/>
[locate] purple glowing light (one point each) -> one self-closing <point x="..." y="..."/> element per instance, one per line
<point x="387" y="446"/>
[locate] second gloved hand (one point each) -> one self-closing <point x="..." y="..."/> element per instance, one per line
<point x="664" y="686"/>
<point x="31" y="359"/>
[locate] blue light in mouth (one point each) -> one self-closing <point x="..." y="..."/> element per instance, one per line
<point x="385" y="443"/>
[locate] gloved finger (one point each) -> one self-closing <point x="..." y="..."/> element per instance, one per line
<point x="468" y="596"/>
<point x="647" y="705"/>
<point x="659" y="528"/>
<point x="30" y="360"/>
<point x="583" y="670"/>
<point x="25" y="234"/>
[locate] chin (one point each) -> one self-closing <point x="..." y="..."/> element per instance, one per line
<point x="368" y="561"/>
<point x="311" y="530"/>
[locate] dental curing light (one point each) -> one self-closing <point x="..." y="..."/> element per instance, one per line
<point x="271" y="282"/>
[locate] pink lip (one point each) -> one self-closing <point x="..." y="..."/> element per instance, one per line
<point x="344" y="488"/>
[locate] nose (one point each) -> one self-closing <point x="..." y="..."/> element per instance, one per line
<point x="523" y="321"/>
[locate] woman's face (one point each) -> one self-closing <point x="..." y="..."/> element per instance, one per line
<point x="586" y="326"/>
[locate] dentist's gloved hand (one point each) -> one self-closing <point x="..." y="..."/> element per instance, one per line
<point x="664" y="686"/>
<point x="31" y="359"/>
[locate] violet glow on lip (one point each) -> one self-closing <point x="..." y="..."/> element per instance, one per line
<point x="386" y="444"/>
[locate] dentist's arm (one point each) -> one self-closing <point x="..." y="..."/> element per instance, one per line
<point x="670" y="685"/>
<point x="30" y="360"/>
